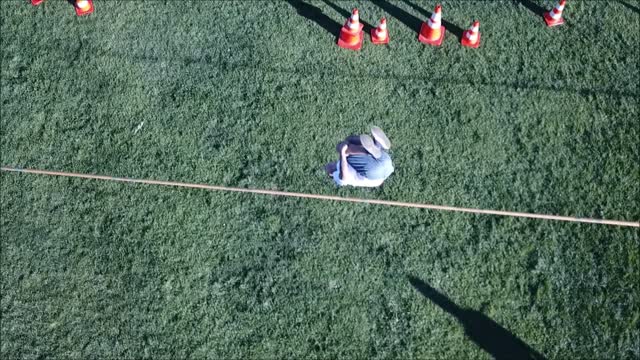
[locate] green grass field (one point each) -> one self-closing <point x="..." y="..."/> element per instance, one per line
<point x="257" y="94"/>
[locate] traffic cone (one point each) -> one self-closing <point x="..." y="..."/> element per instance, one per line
<point x="554" y="17"/>
<point x="471" y="37"/>
<point x="432" y="31"/>
<point x="83" y="7"/>
<point x="380" y="35"/>
<point x="36" y="2"/>
<point x="351" y="34"/>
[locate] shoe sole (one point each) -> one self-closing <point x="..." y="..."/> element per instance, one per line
<point x="367" y="144"/>
<point x="380" y="137"/>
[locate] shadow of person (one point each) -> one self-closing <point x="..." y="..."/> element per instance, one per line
<point x="316" y="15"/>
<point x="482" y="330"/>
<point x="454" y="29"/>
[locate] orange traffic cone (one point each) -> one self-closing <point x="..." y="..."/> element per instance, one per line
<point x="432" y="31"/>
<point x="380" y="35"/>
<point x="471" y="37"/>
<point x="554" y="17"/>
<point x="83" y="7"/>
<point x="351" y="34"/>
<point x="36" y="2"/>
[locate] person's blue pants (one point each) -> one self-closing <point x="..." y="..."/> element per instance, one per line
<point x="370" y="167"/>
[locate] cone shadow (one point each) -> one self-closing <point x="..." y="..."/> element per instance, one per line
<point x="482" y="330"/>
<point x="533" y="7"/>
<point x="454" y="29"/>
<point x="404" y="17"/>
<point x="316" y="15"/>
<point x="346" y="14"/>
<point x="629" y="6"/>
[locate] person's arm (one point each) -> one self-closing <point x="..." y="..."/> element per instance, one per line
<point x="344" y="166"/>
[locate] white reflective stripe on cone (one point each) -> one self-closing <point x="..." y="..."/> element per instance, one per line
<point x="433" y="24"/>
<point x="473" y="33"/>
<point x="556" y="13"/>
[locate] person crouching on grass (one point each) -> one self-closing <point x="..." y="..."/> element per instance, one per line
<point x="363" y="161"/>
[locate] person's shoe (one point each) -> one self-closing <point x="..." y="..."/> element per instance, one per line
<point x="367" y="144"/>
<point x="380" y="137"/>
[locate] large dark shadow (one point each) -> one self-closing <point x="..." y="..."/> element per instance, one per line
<point x="404" y="17"/>
<point x="533" y="7"/>
<point x="454" y="29"/>
<point x="486" y="333"/>
<point x="629" y="6"/>
<point x="316" y="15"/>
<point x="346" y="14"/>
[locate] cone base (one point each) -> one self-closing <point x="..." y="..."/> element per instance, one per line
<point x="467" y="43"/>
<point x="356" y="46"/>
<point x="36" y="2"/>
<point x="551" y="22"/>
<point x="423" y="39"/>
<point x="377" y="41"/>
<point x="81" y="12"/>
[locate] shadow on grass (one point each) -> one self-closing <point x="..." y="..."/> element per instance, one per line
<point x="454" y="29"/>
<point x="346" y="14"/>
<point x="486" y="333"/>
<point x="404" y="17"/>
<point x="316" y="15"/>
<point x="629" y="6"/>
<point x="533" y="7"/>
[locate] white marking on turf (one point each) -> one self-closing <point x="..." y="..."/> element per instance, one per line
<point x="138" y="128"/>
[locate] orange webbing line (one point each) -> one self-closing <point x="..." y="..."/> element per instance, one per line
<point x="325" y="197"/>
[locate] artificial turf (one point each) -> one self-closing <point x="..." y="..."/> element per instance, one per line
<point x="257" y="94"/>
